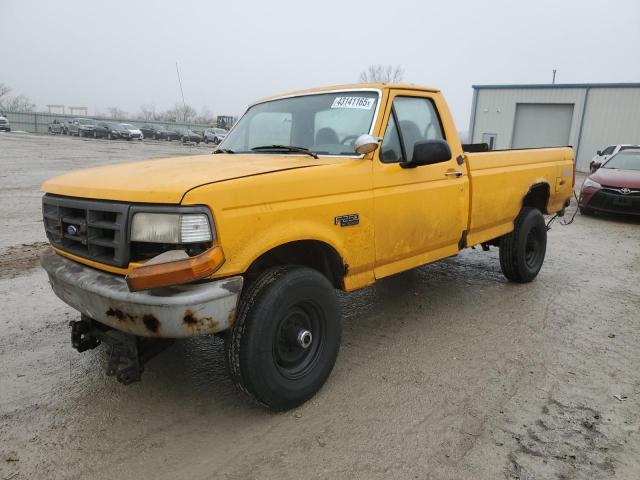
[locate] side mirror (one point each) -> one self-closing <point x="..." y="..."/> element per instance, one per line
<point x="428" y="152"/>
<point x="599" y="153"/>
<point x="595" y="166"/>
<point x="366" y="144"/>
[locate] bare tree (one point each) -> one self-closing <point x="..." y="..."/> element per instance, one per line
<point x="205" y="116"/>
<point x="382" y="74"/>
<point x="4" y="90"/>
<point x="19" y="103"/>
<point x="115" y="112"/>
<point x="180" y="113"/>
<point x="14" y="103"/>
<point x="148" y="112"/>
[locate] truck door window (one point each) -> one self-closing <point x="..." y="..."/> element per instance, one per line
<point x="418" y="120"/>
<point x="390" y="151"/>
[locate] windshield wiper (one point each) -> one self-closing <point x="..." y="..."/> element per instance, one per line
<point x="223" y="150"/>
<point x="288" y="148"/>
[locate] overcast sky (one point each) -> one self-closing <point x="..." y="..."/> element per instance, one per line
<point x="122" y="53"/>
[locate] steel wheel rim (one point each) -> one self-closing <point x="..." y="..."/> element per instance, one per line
<point x="293" y="361"/>
<point x="533" y="248"/>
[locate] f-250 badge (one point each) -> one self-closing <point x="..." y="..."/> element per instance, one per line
<point x="347" y="220"/>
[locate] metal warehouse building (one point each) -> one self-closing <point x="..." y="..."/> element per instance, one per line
<point x="587" y="116"/>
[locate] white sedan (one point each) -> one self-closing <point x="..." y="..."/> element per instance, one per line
<point x="604" y="155"/>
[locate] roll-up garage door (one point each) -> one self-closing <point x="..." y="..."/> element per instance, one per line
<point x="542" y="125"/>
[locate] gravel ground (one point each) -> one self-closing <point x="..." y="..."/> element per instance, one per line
<point x="446" y="371"/>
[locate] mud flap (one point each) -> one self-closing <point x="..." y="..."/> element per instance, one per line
<point x="127" y="353"/>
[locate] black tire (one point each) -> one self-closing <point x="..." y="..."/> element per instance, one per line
<point x="586" y="211"/>
<point x="206" y="140"/>
<point x="522" y="251"/>
<point x="267" y="364"/>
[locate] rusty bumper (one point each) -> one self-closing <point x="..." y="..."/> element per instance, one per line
<point x="171" y="312"/>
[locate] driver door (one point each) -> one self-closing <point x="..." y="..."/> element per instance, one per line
<point x="420" y="213"/>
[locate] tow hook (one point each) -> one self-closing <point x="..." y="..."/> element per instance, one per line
<point x="127" y="353"/>
<point x="81" y="338"/>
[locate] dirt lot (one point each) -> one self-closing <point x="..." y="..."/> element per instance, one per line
<point x="447" y="371"/>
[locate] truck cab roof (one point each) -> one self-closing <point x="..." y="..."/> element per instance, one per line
<point x="353" y="86"/>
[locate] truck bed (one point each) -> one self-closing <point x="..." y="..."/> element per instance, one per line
<point x="498" y="185"/>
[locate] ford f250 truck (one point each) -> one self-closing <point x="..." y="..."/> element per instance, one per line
<point x="309" y="193"/>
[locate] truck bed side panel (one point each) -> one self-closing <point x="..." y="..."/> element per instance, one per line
<point x="500" y="181"/>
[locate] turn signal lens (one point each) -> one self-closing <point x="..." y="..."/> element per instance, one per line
<point x="176" y="272"/>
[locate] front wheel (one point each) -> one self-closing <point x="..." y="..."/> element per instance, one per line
<point x="522" y="251"/>
<point x="286" y="337"/>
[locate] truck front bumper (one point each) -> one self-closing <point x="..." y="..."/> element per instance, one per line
<point x="171" y="312"/>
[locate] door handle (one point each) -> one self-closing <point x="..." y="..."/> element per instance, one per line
<point x="453" y="174"/>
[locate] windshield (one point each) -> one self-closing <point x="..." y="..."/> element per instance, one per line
<point x="326" y="123"/>
<point x="84" y="121"/>
<point x="128" y="126"/>
<point x="219" y="131"/>
<point x="626" y="160"/>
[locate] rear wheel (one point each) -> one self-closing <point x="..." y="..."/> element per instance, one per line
<point x="286" y="337"/>
<point x="522" y="251"/>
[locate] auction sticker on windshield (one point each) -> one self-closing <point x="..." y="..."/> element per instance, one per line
<point x="362" y="103"/>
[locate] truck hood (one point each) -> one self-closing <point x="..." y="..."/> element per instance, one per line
<point x="167" y="180"/>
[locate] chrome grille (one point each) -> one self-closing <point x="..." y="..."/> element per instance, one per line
<point x="96" y="230"/>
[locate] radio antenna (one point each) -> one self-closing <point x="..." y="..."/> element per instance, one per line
<point x="184" y="105"/>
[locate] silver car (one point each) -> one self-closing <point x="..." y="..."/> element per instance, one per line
<point x="215" y="135"/>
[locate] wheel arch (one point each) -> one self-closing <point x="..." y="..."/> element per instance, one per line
<point x="538" y="197"/>
<point x="315" y="254"/>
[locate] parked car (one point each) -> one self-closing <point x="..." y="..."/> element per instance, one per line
<point x="82" y="127"/>
<point x="215" y="135"/>
<point x="134" y="132"/>
<point x="56" y="127"/>
<point x="186" y="135"/>
<point x="614" y="187"/>
<point x="157" y="132"/>
<point x="603" y="155"/>
<point x="4" y="124"/>
<point x="255" y="239"/>
<point x="111" y="131"/>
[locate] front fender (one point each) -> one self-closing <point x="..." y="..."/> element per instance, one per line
<point x="255" y="214"/>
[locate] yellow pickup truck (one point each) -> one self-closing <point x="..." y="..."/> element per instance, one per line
<point x="312" y="191"/>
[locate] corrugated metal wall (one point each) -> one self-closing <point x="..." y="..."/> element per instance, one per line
<point x="496" y="110"/>
<point x="38" y="122"/>
<point x="612" y="115"/>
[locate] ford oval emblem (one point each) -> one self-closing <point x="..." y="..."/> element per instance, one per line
<point x="72" y="230"/>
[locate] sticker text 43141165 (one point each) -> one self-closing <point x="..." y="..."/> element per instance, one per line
<point x="363" y="103"/>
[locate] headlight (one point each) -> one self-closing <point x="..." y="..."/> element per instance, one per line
<point x="171" y="228"/>
<point x="590" y="183"/>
